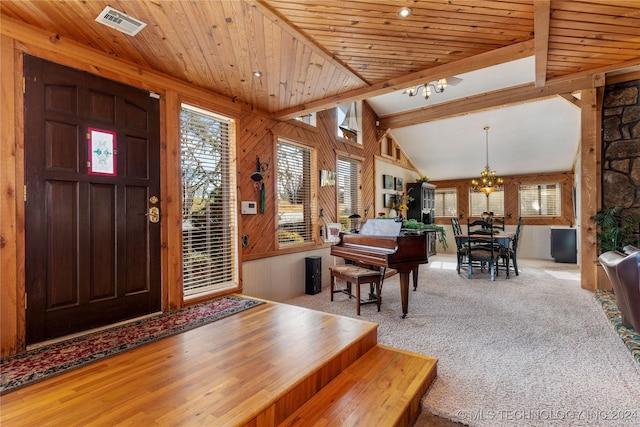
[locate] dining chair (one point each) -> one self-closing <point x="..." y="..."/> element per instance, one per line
<point x="512" y="251"/>
<point x="460" y="244"/>
<point x="482" y="249"/>
<point x="498" y="223"/>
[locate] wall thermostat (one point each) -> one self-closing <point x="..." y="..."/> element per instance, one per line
<point x="249" y="208"/>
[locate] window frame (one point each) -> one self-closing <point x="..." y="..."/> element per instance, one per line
<point x="358" y="164"/>
<point x="443" y="191"/>
<point x="340" y="114"/>
<point x="309" y="219"/>
<point x="558" y="186"/>
<point x="229" y="252"/>
<point x="488" y="207"/>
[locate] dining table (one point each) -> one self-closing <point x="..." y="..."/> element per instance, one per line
<point x="502" y="238"/>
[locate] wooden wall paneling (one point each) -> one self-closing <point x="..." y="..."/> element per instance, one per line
<point x="511" y="202"/>
<point x="12" y="286"/>
<point x="256" y="140"/>
<point x="258" y="136"/>
<point x="590" y="167"/>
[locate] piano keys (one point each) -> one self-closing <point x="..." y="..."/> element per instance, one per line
<point x="380" y="243"/>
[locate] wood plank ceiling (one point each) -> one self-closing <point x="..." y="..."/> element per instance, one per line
<point x="313" y="54"/>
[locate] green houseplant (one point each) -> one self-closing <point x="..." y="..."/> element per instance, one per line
<point x="615" y="228"/>
<point x="412" y="224"/>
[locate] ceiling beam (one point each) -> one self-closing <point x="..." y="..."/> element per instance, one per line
<point x="541" y="18"/>
<point x="483" y="60"/>
<point x="572" y="99"/>
<point x="487" y="101"/>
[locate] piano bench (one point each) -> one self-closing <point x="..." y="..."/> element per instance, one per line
<point x="358" y="275"/>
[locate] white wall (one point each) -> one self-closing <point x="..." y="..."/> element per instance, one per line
<point x="282" y="277"/>
<point x="385" y="168"/>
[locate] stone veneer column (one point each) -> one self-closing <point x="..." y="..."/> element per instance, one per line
<point x="621" y="146"/>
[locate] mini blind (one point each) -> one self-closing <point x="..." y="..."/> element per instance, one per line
<point x="479" y="203"/>
<point x="209" y="226"/>
<point x="349" y="194"/>
<point x="446" y="202"/>
<point x="540" y="199"/>
<point x="295" y="204"/>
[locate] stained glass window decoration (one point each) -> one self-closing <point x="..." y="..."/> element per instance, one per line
<point x="102" y="152"/>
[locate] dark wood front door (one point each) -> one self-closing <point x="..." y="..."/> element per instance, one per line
<point x="92" y="252"/>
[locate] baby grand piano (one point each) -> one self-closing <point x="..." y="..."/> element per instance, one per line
<point x="380" y="243"/>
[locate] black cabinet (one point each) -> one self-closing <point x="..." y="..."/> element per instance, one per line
<point x="563" y="245"/>
<point x="422" y="208"/>
<point x="313" y="275"/>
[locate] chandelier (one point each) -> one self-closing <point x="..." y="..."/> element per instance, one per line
<point x="488" y="181"/>
<point x="426" y="89"/>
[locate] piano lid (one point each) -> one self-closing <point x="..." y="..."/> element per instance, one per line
<point x="380" y="227"/>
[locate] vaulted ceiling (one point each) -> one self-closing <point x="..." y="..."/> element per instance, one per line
<point x="316" y="54"/>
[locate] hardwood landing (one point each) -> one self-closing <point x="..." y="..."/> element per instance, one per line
<point x="254" y="368"/>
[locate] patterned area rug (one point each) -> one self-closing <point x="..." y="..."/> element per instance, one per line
<point x="54" y="359"/>
<point x="629" y="336"/>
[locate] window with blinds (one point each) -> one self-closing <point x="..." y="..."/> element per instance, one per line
<point x="446" y="202"/>
<point x="209" y="226"/>
<point x="540" y="199"/>
<point x="479" y="203"/>
<point x="295" y="204"/>
<point x="349" y="194"/>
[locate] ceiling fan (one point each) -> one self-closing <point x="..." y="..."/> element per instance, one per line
<point x="438" y="87"/>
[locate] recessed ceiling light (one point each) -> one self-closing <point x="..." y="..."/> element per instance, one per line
<point x="404" y="12"/>
<point x="257" y="73"/>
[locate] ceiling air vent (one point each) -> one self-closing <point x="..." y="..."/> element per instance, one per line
<point x="120" y="21"/>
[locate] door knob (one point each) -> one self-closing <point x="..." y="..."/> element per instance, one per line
<point x="154" y="214"/>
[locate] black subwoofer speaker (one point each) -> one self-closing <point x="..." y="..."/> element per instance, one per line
<point x="313" y="275"/>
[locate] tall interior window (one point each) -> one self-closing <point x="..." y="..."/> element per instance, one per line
<point x="540" y="199"/>
<point x="480" y="203"/>
<point x="446" y="202"/>
<point x="349" y="118"/>
<point x="294" y="191"/>
<point x="349" y="198"/>
<point x="209" y="225"/>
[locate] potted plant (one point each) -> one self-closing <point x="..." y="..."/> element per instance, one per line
<point x="615" y="229"/>
<point x="412" y="224"/>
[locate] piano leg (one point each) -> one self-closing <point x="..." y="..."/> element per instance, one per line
<point x="415" y="278"/>
<point x="404" y="292"/>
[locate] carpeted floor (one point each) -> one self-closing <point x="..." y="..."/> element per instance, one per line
<point x="529" y="350"/>
<point x="54" y="359"/>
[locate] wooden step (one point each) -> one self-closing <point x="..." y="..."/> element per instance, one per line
<point x="384" y="387"/>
